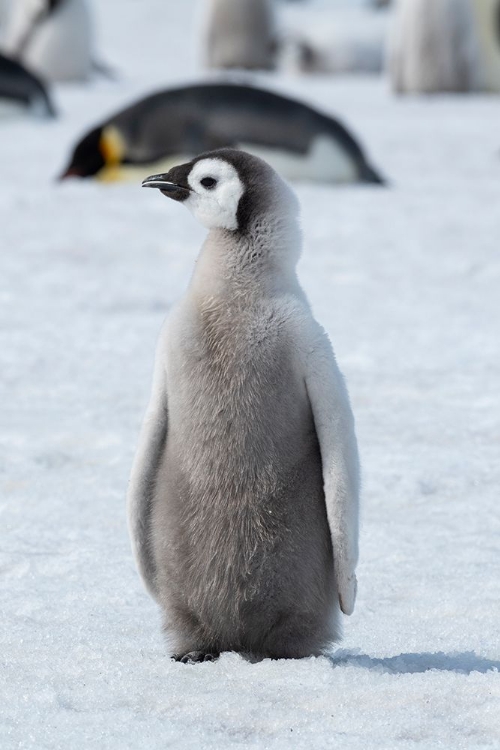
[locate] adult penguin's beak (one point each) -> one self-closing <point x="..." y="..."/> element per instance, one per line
<point x="173" y="184"/>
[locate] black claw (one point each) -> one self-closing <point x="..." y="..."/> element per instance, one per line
<point x="194" y="657"/>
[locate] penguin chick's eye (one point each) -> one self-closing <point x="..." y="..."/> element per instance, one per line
<point x="208" y="182"/>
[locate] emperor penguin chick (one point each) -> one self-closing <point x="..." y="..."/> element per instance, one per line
<point x="52" y="38"/>
<point x="434" y="47"/>
<point x="240" y="34"/>
<point x="243" y="499"/>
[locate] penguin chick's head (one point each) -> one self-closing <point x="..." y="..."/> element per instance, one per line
<point x="227" y="189"/>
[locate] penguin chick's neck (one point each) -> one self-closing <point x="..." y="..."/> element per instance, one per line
<point x="258" y="262"/>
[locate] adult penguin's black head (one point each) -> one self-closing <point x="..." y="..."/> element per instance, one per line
<point x="87" y="158"/>
<point x="103" y="148"/>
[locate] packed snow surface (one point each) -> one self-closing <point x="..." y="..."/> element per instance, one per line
<point x="405" y="279"/>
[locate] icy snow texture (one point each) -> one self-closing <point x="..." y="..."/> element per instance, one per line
<point x="407" y="282"/>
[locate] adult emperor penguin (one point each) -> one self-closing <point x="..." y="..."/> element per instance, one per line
<point x="174" y="125"/>
<point x="240" y="34"/>
<point x="51" y="37"/>
<point x="434" y="47"/>
<point x="21" y="90"/>
<point x="243" y="499"/>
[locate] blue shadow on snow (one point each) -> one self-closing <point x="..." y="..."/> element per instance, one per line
<point x="463" y="663"/>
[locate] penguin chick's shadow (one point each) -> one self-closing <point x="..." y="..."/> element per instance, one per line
<point x="461" y="663"/>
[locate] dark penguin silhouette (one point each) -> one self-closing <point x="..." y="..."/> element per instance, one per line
<point x="171" y="126"/>
<point x="21" y="87"/>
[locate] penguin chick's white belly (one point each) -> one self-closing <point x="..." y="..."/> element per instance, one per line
<point x="240" y="533"/>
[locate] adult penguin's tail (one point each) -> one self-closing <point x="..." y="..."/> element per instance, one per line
<point x="370" y="175"/>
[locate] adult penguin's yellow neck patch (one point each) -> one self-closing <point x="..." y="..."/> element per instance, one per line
<point x="115" y="171"/>
<point x="113" y="148"/>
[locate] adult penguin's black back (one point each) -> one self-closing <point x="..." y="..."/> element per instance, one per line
<point x="296" y="139"/>
<point x="21" y="86"/>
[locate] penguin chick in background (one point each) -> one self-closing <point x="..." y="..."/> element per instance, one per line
<point x="434" y="47"/>
<point x="53" y="38"/>
<point x="243" y="498"/>
<point x="487" y="19"/>
<point x="240" y="34"/>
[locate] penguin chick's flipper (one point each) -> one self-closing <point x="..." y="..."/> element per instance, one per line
<point x="194" y="657"/>
<point x="143" y="480"/>
<point x="334" y="425"/>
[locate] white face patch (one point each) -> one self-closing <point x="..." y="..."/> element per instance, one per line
<point x="216" y="192"/>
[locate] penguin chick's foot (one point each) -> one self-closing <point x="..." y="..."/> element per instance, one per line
<point x="194" y="657"/>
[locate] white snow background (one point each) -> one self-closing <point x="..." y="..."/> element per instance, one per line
<point x="405" y="279"/>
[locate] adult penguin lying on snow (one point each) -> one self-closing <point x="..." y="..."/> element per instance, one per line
<point x="171" y="126"/>
<point x="20" y="88"/>
<point x="51" y="37"/>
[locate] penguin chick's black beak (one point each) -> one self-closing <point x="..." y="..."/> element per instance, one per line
<point x="165" y="184"/>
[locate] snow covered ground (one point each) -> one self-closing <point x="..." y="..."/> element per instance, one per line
<point x="405" y="279"/>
